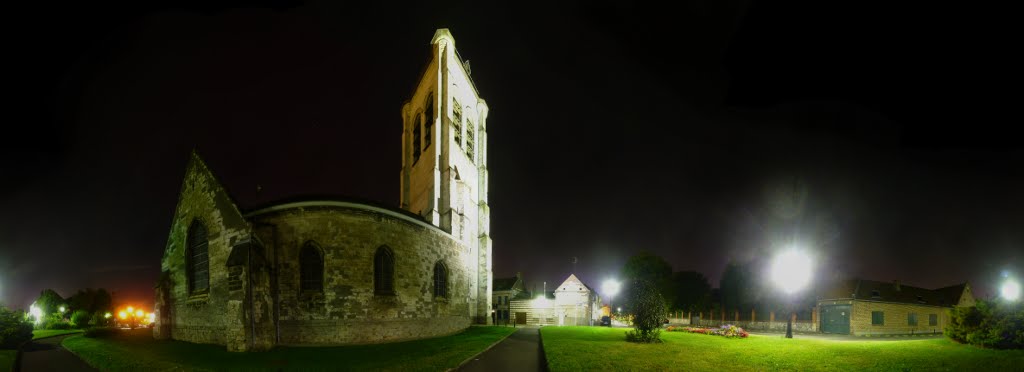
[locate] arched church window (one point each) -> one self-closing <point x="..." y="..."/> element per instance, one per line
<point x="197" y="256"/>
<point x="384" y="271"/>
<point x="417" y="123"/>
<point x="429" y="116"/>
<point x="440" y="280"/>
<point x="311" y="268"/>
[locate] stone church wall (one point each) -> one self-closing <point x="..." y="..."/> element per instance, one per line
<point x="347" y="310"/>
<point x="217" y="315"/>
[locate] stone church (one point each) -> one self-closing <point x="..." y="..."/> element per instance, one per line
<point x="327" y="272"/>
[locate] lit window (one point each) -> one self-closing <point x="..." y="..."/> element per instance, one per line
<point x="912" y="319"/>
<point x="384" y="271"/>
<point x="198" y="258"/>
<point x="877" y="318"/>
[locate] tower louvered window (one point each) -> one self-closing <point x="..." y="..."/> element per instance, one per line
<point x="429" y="116"/>
<point x="417" y="122"/>
<point x="197" y="258"/>
<point x="457" y="122"/>
<point x="470" y="139"/>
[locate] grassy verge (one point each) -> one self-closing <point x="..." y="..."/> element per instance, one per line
<point x="43" y="333"/>
<point x="137" y="350"/>
<point x="598" y="348"/>
<point x="7" y="360"/>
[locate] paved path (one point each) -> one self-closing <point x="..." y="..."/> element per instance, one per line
<point x="519" y="352"/>
<point x="47" y="355"/>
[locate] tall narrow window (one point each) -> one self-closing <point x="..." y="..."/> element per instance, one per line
<point x="470" y="137"/>
<point x="440" y="280"/>
<point x="429" y="113"/>
<point x="417" y="122"/>
<point x="197" y="255"/>
<point x="311" y="268"/>
<point x="457" y="122"/>
<point x="912" y="319"/>
<point x="933" y="319"/>
<point x="384" y="271"/>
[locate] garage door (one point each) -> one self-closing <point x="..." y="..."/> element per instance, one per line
<point x="835" y="319"/>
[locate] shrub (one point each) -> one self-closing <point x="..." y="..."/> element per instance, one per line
<point x="55" y="321"/>
<point x="100" y="332"/>
<point x="98" y="320"/>
<point x="727" y="330"/>
<point x="80" y="318"/>
<point x="648" y="311"/>
<point x="988" y="324"/>
<point x="14" y="329"/>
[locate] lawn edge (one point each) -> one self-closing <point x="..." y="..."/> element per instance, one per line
<point x="464" y="362"/>
<point x="543" y="354"/>
<point x="73" y="352"/>
<point x="59" y="335"/>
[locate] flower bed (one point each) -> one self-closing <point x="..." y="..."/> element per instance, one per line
<point x="727" y="330"/>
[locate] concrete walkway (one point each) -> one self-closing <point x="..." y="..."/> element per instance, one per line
<point x="47" y="355"/>
<point x="519" y="352"/>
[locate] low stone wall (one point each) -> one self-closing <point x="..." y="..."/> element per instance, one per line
<point x="776" y="326"/>
<point x="336" y="332"/>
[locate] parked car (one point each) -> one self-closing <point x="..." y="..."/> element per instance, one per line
<point x="606" y="321"/>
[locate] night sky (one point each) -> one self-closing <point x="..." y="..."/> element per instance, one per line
<point x="709" y="132"/>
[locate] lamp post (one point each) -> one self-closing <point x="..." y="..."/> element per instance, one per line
<point x="611" y="287"/>
<point x="791" y="271"/>
<point x="1010" y="290"/>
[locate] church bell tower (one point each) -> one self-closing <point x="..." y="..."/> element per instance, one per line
<point x="444" y="160"/>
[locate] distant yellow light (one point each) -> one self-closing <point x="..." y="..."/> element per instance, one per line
<point x="140" y="313"/>
<point x="107" y="315"/>
<point x="122" y="315"/>
<point x="131" y="309"/>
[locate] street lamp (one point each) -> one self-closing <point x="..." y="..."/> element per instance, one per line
<point x="1010" y="290"/>
<point x="791" y="271"/>
<point x="611" y="287"/>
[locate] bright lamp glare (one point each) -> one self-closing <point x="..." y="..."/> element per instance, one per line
<point x="37" y="313"/>
<point x="791" y="270"/>
<point x="610" y="287"/>
<point x="1010" y="290"/>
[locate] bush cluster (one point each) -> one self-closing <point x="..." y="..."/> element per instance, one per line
<point x="55" y="321"/>
<point x="648" y="312"/>
<point x="14" y="329"/>
<point x="994" y="324"/>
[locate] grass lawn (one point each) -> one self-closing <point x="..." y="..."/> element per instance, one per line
<point x="605" y="349"/>
<point x="7" y="359"/>
<point x="137" y="350"/>
<point x="41" y="333"/>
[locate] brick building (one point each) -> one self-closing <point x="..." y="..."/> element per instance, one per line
<point x="866" y="307"/>
<point x="340" y="271"/>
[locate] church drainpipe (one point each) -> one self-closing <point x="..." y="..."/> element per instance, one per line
<point x="252" y="318"/>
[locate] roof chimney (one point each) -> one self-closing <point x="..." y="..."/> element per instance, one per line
<point x="896" y="284"/>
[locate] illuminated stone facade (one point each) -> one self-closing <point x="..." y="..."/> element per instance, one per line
<point x="327" y="272"/>
<point x="444" y="160"/>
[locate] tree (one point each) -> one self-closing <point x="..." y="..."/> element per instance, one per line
<point x="737" y="286"/>
<point x="691" y="291"/>
<point x="651" y="268"/>
<point x="91" y="300"/>
<point x="648" y="311"/>
<point x="49" y="302"/>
